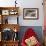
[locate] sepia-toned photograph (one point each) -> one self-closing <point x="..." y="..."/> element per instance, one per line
<point x="30" y="13"/>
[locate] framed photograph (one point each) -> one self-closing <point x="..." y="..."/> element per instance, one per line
<point x="5" y="12"/>
<point x="13" y="12"/>
<point x="31" y="13"/>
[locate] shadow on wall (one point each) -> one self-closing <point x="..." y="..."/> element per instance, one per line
<point x="37" y="29"/>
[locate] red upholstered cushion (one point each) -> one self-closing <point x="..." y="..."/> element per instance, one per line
<point x="29" y="33"/>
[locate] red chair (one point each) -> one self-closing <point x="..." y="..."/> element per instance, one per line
<point x="29" y="33"/>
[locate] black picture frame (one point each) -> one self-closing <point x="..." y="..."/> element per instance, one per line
<point x="30" y="13"/>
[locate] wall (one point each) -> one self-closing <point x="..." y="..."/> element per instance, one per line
<point x="26" y="4"/>
<point x="31" y="4"/>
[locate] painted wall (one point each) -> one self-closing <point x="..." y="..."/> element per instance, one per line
<point x="31" y="4"/>
<point x="26" y="4"/>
